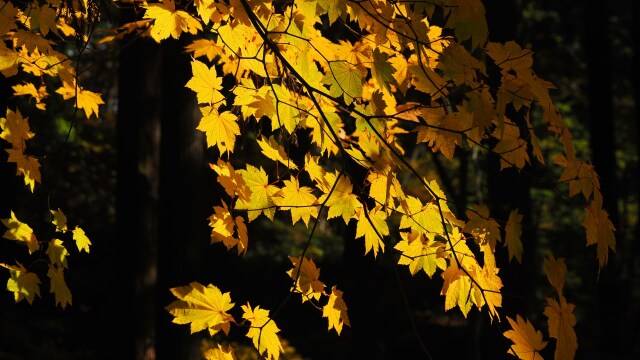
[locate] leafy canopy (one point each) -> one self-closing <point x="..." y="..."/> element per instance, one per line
<point x="410" y="75"/>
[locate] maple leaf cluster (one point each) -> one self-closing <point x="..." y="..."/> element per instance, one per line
<point x="24" y="283"/>
<point x="401" y="81"/>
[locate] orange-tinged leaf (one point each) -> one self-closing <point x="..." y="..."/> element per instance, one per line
<point x="527" y="342"/>
<point x="372" y="229"/>
<point x="299" y="199"/>
<point x="456" y="289"/>
<point x="19" y="231"/>
<point x="224" y="226"/>
<point x="59" y="220"/>
<point x="561" y="322"/>
<point x="274" y="151"/>
<point x="221" y="128"/>
<point x="81" y="239"/>
<point x="7" y="17"/>
<point x="205" y="83"/>
<point x="263" y="332"/>
<point x="231" y="180"/>
<point x="29" y="89"/>
<point x="27" y="165"/>
<point x="59" y="286"/>
<point x="57" y="253"/>
<point x="599" y="231"/>
<point x="421" y="253"/>
<point x="261" y="198"/>
<point x="43" y="18"/>
<point x="85" y="99"/>
<point x="22" y="283"/>
<point x="204" y="47"/>
<point x="511" y="147"/>
<point x="15" y="129"/>
<point x="308" y="283"/>
<point x="169" y="22"/>
<point x="219" y="353"/>
<point x="341" y="202"/>
<point x="556" y="271"/>
<point x="484" y="229"/>
<point x="201" y="307"/>
<point x="513" y="231"/>
<point x="336" y="311"/>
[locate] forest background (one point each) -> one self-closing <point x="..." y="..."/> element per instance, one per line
<point x="594" y="70"/>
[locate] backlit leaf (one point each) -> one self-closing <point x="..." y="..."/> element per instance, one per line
<point x="201" y="307"/>
<point x="263" y="332"/>
<point x="527" y="342"/>
<point x="59" y="286"/>
<point x="336" y="311"/>
<point x="22" y="283"/>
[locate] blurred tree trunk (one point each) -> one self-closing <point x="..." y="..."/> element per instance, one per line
<point x="184" y="203"/>
<point x="603" y="157"/>
<point x="138" y="142"/>
<point x="510" y="189"/>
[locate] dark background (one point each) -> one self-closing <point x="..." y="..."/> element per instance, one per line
<point x="137" y="181"/>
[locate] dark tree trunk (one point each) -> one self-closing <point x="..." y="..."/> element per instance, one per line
<point x="603" y="158"/>
<point x="509" y="189"/>
<point x="184" y="205"/>
<point x="138" y="142"/>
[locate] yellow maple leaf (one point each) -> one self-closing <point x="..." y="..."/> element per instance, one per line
<point x="19" y="231"/>
<point x="59" y="286"/>
<point x="308" y="283"/>
<point x="420" y="252"/>
<point x="27" y="165"/>
<point x="59" y="220"/>
<point x="513" y="231"/>
<point x="221" y="128"/>
<point x="22" y="283"/>
<point x="201" y="307"/>
<point x="261" y="199"/>
<point x="527" y="342"/>
<point x="263" y="332"/>
<point x="599" y="231"/>
<point x="274" y="151"/>
<point x="204" y="47"/>
<point x="219" y="353"/>
<point x="85" y="99"/>
<point x="561" y="321"/>
<point x="205" y="83"/>
<point x="342" y="201"/>
<point x="298" y="199"/>
<point x="336" y="311"/>
<point x="15" y="129"/>
<point x="556" y="271"/>
<point x="421" y="219"/>
<point x="57" y="253"/>
<point x="456" y="289"/>
<point x="170" y="22"/>
<point x="81" y="239"/>
<point x="224" y="226"/>
<point x="29" y="89"/>
<point x="372" y="231"/>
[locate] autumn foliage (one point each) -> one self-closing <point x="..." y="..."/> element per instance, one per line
<point x="410" y="74"/>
